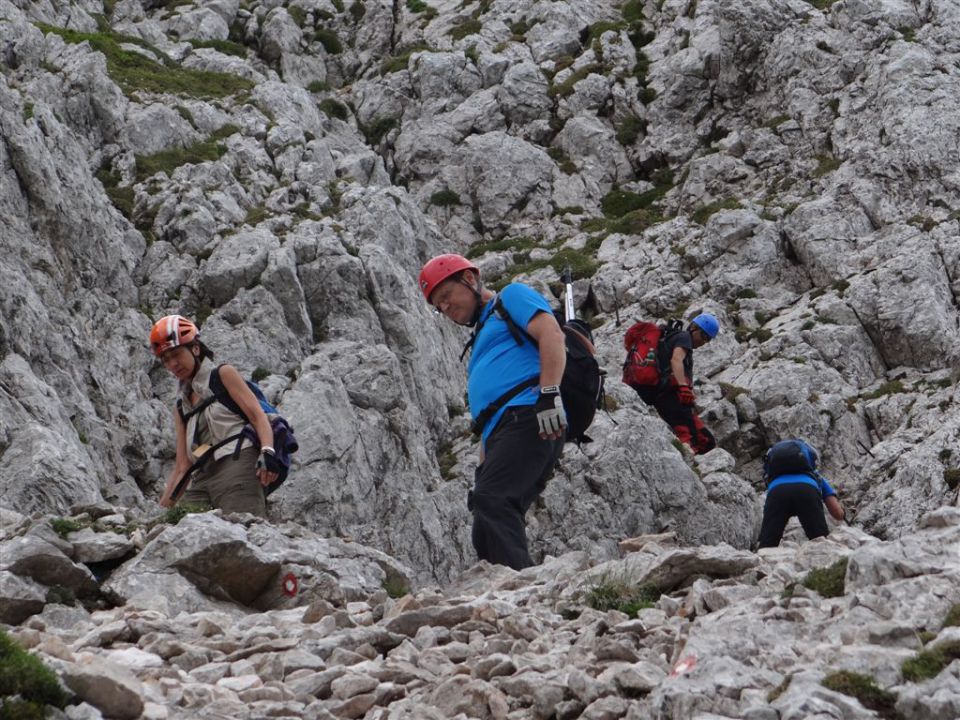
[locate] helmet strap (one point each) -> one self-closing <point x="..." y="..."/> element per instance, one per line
<point x="478" y="301"/>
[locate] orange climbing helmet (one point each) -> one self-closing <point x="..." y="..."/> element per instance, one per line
<point x="170" y="332"/>
<point x="439" y="269"/>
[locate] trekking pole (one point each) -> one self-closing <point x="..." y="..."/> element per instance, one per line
<point x="567" y="277"/>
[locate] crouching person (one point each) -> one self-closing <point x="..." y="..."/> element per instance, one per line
<point x="795" y="489"/>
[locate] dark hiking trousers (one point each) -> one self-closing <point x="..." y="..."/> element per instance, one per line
<point x="792" y="500"/>
<point x="685" y="423"/>
<point x="515" y="470"/>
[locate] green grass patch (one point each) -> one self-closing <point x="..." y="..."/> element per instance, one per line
<point x="599" y="28"/>
<point x="828" y="581"/>
<point x="626" y="597"/>
<point x="928" y="664"/>
<point x="416" y="6"/>
<point x="259" y="373"/>
<point x="773" y="122"/>
<point x="317" y="86"/>
<point x="177" y="513"/>
<point x="888" y="388"/>
<point x="865" y="689"/>
<point x="825" y="165"/>
<point x="335" y="109"/>
<point x="565" y="88"/>
<point x="822" y="4"/>
<point x="226" y="47"/>
<point x="134" y="72"/>
<point x="65" y="526"/>
<point x="166" y="161"/>
<point x="445" y="198"/>
<point x="468" y="27"/>
<point x="629" y="129"/>
<point x="747" y="293"/>
<point x="618" y="203"/>
<point x="399" y="62"/>
<point x="632" y="10"/>
<point x="702" y="214"/>
<point x="121" y="197"/>
<point x="27" y="686"/>
<point x="565" y="164"/>
<point x="395" y="587"/>
<point x="329" y="39"/>
<point x="953" y="617"/>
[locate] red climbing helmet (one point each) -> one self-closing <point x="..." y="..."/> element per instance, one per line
<point x="170" y="332"/>
<point x="439" y="269"/>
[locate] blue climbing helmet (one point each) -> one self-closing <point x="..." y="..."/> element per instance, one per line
<point x="708" y="323"/>
<point x="790" y="457"/>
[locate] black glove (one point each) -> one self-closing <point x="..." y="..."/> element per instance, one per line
<point x="550" y="415"/>
<point x="268" y="461"/>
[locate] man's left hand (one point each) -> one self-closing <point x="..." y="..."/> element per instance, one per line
<point x="551" y="418"/>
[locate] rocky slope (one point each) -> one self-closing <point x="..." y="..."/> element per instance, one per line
<point x="847" y="626"/>
<point x="280" y="171"/>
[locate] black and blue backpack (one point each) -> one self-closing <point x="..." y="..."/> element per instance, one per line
<point x="284" y="441"/>
<point x="791" y="457"/>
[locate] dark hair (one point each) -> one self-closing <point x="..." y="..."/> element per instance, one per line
<point x="205" y="352"/>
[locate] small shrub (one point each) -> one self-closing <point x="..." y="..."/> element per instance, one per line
<point x="27" y="686"/>
<point x="328" y="38"/>
<point x="445" y="198"/>
<point x="376" y="131"/>
<point x="863" y="688"/>
<point x="334" y="109"/>
<point x="829" y="581"/>
<point x="928" y="664"/>
<point x="629" y="130"/>
<point x="416" y="6"/>
<point x="625" y="597"/>
<point x="175" y="514"/>
<point x="566" y="165"/>
<point x="951" y="477"/>
<point x="259" y="374"/>
<point x="446" y="460"/>
<point x="747" y="293"/>
<point x="317" y="86"/>
<point x="357" y="11"/>
<point x="633" y="10"/>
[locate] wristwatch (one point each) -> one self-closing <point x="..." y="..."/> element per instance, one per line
<point x="550" y="390"/>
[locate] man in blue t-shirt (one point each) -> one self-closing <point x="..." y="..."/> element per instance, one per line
<point x="800" y="494"/>
<point x="517" y="358"/>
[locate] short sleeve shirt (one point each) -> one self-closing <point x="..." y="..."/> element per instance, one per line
<point x="497" y="362"/>
<point x="679" y="339"/>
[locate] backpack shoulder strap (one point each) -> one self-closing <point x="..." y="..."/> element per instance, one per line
<point x="221" y="395"/>
<point x="516" y="331"/>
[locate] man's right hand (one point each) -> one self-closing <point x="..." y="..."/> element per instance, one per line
<point x="685" y="394"/>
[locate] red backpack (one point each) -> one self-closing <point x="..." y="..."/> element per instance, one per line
<point x="644" y="344"/>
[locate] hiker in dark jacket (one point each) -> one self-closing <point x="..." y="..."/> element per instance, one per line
<point x="801" y="493"/>
<point x="232" y="478"/>
<point x="674" y="401"/>
<point x="523" y="437"/>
